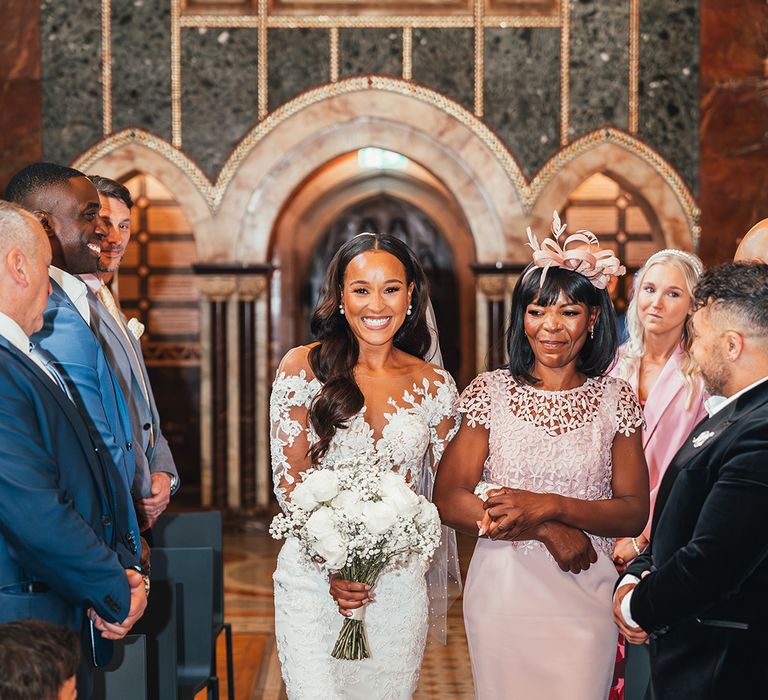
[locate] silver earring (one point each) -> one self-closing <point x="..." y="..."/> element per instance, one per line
<point x="410" y="310"/>
<point x="592" y="333"/>
<point x="341" y="309"/>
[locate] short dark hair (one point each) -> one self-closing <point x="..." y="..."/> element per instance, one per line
<point x="738" y="288"/>
<point x="36" y="659"/>
<point x="598" y="353"/>
<point x="38" y="176"/>
<point x="112" y="188"/>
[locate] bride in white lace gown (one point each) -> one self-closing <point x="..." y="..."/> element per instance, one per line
<point x="366" y="384"/>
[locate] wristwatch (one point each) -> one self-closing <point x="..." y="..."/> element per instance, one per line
<point x="174" y="482"/>
<point x="144" y="578"/>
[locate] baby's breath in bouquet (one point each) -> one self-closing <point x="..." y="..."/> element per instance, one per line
<point x="355" y="520"/>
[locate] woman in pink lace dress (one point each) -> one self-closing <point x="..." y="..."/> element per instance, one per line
<point x="555" y="445"/>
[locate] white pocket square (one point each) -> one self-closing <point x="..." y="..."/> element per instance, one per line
<point x="136" y="327"/>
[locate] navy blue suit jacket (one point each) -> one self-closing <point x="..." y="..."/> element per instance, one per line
<point x="80" y="360"/>
<point x="60" y="508"/>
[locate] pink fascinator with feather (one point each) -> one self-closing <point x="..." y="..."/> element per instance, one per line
<point x="578" y="253"/>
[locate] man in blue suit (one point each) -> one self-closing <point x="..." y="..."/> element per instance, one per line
<point x="65" y="202"/>
<point x="60" y="517"/>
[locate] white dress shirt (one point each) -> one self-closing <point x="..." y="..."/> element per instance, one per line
<point x="75" y="289"/>
<point x="13" y="333"/>
<point x="714" y="405"/>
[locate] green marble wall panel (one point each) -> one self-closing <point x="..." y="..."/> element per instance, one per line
<point x="599" y="65"/>
<point x="298" y="60"/>
<point x="71" y="76"/>
<point x="522" y="92"/>
<point x="443" y="59"/>
<point x="141" y="66"/>
<point x="669" y="82"/>
<point x="219" y="92"/>
<point x="370" y="51"/>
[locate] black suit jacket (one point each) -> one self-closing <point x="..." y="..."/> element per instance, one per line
<point x="706" y="600"/>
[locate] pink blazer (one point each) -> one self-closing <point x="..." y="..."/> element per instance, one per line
<point x="667" y="421"/>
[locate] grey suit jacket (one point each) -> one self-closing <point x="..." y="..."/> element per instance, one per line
<point x="129" y="373"/>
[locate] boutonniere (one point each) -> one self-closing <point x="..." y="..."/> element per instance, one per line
<point x="701" y="438"/>
<point x="136" y="327"/>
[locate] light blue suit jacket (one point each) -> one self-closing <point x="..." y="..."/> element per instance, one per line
<point x="79" y="359"/>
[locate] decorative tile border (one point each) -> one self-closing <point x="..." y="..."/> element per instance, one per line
<point x="634" y="64"/>
<point x="106" y="66"/>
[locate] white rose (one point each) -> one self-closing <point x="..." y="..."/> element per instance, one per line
<point x="323" y="484"/>
<point x="333" y="550"/>
<point x="321" y="524"/>
<point x="349" y="503"/>
<point x="378" y="517"/>
<point x="302" y="497"/>
<point x="398" y="495"/>
<point x="427" y="517"/>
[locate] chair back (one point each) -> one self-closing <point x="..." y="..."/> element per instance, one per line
<point x="125" y="677"/>
<point x="201" y="529"/>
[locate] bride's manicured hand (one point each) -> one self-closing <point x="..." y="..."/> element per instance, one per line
<point x="349" y="594"/>
<point x="570" y="547"/>
<point x="513" y="511"/>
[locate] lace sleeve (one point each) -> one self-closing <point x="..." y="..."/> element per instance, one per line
<point x="475" y="402"/>
<point x="444" y="420"/>
<point x="629" y="413"/>
<point x="292" y="393"/>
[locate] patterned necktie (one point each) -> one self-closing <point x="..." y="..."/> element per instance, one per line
<point x="43" y="361"/>
<point x="106" y="298"/>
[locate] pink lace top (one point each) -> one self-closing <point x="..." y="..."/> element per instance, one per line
<point x="551" y="441"/>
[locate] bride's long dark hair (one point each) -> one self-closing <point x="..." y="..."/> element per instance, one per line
<point x="334" y="358"/>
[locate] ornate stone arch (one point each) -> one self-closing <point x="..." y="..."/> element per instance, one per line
<point x="325" y="123"/>
<point x="630" y="161"/>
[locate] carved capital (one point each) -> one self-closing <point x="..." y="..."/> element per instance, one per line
<point x="492" y="286"/>
<point x="252" y="287"/>
<point x="215" y="287"/>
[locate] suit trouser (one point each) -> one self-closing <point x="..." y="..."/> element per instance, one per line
<point x="637" y="672"/>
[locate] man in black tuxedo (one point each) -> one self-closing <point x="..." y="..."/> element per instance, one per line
<point x="700" y="594"/>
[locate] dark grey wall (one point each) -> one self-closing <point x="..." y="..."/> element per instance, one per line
<point x="521" y="77"/>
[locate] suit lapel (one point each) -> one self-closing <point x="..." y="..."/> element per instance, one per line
<point x="51" y="392"/>
<point x="703" y="437"/>
<point x="668" y="385"/>
<point x="100" y="317"/>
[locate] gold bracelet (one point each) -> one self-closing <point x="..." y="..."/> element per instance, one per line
<point x="636" y="546"/>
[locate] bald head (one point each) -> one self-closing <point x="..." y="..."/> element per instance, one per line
<point x="754" y="245"/>
<point x="19" y="229"/>
<point x="25" y="255"/>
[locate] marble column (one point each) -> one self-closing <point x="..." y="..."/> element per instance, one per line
<point x="254" y="392"/>
<point x="491" y="320"/>
<point x="215" y="340"/>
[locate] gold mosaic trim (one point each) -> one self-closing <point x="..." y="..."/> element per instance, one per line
<point x="333" y="50"/>
<point x="634" y="64"/>
<point x="175" y="73"/>
<point x="262" y="88"/>
<point x="479" y="11"/>
<point x="407" y="53"/>
<point x="154" y="143"/>
<point x="369" y="22"/>
<point x="565" y="71"/>
<point x="631" y="144"/>
<point x="106" y="66"/>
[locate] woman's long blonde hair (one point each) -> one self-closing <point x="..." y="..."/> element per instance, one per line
<point x="631" y="353"/>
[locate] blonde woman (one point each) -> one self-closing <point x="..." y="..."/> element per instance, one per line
<point x="657" y="362"/>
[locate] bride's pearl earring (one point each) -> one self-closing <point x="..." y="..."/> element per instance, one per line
<point x="410" y="310"/>
<point x="341" y="309"/>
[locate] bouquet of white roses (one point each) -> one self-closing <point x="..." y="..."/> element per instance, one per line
<point x="354" y="520"/>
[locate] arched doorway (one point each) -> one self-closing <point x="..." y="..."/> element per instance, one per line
<point x="349" y="195"/>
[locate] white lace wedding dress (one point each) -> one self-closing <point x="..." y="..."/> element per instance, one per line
<point x="408" y="418"/>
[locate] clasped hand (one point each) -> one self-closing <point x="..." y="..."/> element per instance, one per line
<point x="511" y="512"/>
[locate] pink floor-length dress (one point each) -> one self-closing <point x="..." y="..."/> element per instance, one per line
<point x="534" y="631"/>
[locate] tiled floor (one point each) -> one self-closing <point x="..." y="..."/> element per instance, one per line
<point x="249" y="563"/>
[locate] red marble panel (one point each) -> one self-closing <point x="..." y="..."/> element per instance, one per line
<point x="734" y="114"/>
<point x="20" y="87"/>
